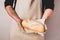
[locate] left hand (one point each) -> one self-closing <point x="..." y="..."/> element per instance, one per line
<point x="43" y="22"/>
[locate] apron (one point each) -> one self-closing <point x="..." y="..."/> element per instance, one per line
<point x="26" y="9"/>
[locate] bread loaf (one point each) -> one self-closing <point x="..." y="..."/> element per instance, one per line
<point x="33" y="25"/>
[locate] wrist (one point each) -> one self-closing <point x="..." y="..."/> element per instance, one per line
<point x="44" y="20"/>
<point x="18" y="20"/>
<point x="41" y="20"/>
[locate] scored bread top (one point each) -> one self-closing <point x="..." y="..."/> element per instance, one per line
<point x="33" y="25"/>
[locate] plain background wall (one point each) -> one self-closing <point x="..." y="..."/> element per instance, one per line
<point x="4" y="22"/>
<point x="53" y="24"/>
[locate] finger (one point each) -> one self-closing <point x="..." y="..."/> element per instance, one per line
<point x="45" y="27"/>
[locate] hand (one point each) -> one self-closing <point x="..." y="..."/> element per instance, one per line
<point x="45" y="27"/>
<point x="19" y="22"/>
<point x="43" y="22"/>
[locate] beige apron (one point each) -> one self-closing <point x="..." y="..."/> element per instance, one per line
<point x="26" y="9"/>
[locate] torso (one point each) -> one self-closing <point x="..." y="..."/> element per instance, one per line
<point x="28" y="9"/>
<point x="25" y="10"/>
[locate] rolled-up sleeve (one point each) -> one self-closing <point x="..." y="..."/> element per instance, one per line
<point x="8" y="2"/>
<point x="49" y="4"/>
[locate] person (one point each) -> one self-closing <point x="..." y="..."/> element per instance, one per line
<point x="27" y="9"/>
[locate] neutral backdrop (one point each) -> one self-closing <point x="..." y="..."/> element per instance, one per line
<point x="53" y="32"/>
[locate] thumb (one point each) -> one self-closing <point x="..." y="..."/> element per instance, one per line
<point x="43" y="20"/>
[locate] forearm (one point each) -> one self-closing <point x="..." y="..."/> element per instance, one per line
<point x="12" y="13"/>
<point x="47" y="14"/>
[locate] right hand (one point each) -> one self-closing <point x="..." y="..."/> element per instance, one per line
<point x="19" y="22"/>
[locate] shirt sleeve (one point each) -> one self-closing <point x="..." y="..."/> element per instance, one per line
<point x="8" y="2"/>
<point x="49" y="4"/>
